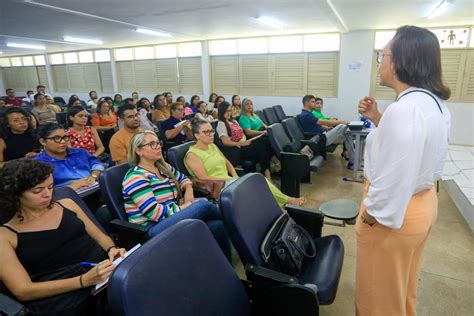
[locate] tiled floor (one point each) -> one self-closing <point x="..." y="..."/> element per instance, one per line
<point x="459" y="166"/>
<point x="447" y="276"/>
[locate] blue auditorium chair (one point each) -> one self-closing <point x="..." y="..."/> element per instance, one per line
<point x="271" y="116"/>
<point x="294" y="166"/>
<point x="280" y="113"/>
<point x="182" y="271"/>
<point x="261" y="116"/>
<point x="249" y="210"/>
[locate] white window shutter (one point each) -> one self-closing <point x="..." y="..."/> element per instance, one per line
<point x="255" y="75"/>
<point x="289" y="74"/>
<point x="323" y="69"/>
<point x="31" y="78"/>
<point x="167" y="75"/>
<point x="105" y="73"/>
<point x="125" y="76"/>
<point x="190" y="75"/>
<point x="225" y="74"/>
<point x="91" y="77"/>
<point x="467" y="94"/>
<point x="145" y="76"/>
<point x="60" y="77"/>
<point x="42" y="76"/>
<point x="75" y="74"/>
<point x="452" y="63"/>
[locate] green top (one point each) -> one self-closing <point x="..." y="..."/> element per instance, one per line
<point x="254" y="123"/>
<point x="212" y="159"/>
<point x="319" y="115"/>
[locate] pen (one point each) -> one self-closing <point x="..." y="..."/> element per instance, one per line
<point x="88" y="264"/>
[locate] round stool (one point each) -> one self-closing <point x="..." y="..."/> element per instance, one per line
<point x="341" y="209"/>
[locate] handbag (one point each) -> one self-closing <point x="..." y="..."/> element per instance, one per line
<point x="214" y="187"/>
<point x="286" y="245"/>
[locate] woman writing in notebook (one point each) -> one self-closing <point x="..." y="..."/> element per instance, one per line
<point x="43" y="242"/>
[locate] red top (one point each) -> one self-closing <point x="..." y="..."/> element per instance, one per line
<point x="14" y="101"/>
<point x="236" y="131"/>
<point x="85" y="141"/>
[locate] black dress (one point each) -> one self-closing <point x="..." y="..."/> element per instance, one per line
<point x="56" y="254"/>
<point x="18" y="145"/>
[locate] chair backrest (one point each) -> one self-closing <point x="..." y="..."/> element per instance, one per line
<point x="58" y="100"/>
<point x="181" y="271"/>
<point x="84" y="104"/>
<point x="293" y="129"/>
<point x="271" y="115"/>
<point x="280" y="113"/>
<point x="61" y="117"/>
<point x="68" y="193"/>
<point x="176" y="156"/>
<point x="249" y="210"/>
<point x="261" y="116"/>
<point x="110" y="182"/>
<point x="278" y="138"/>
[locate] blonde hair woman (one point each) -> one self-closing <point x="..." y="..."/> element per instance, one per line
<point x="157" y="195"/>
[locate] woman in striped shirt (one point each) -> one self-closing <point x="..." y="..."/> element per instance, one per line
<point x="157" y="195"/>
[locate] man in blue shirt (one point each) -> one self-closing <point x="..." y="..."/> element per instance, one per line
<point x="175" y="128"/>
<point x="74" y="167"/>
<point x="333" y="129"/>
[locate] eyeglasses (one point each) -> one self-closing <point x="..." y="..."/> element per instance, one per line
<point x="21" y="119"/>
<point x="59" y="139"/>
<point x="153" y="145"/>
<point x="209" y="132"/>
<point x="179" y="109"/>
<point x="380" y="56"/>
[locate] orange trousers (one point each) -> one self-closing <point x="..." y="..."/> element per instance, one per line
<point x="389" y="260"/>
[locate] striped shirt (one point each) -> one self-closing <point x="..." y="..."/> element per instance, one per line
<point x="150" y="199"/>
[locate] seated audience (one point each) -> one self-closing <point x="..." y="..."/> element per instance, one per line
<point x="161" y="109"/>
<point x="42" y="242"/>
<point x="202" y="112"/>
<point x="144" y="107"/>
<point x="193" y="105"/>
<point x="157" y="195"/>
<point x="117" y="101"/>
<point x="212" y="100"/>
<point x="44" y="112"/>
<point x="41" y="89"/>
<point x="120" y="142"/>
<point x="83" y="136"/>
<point x="205" y="161"/>
<point x="92" y="103"/>
<point x="235" y="107"/>
<point x="333" y="129"/>
<point x="11" y="99"/>
<point x="176" y="128"/>
<point x="104" y="119"/>
<point x="50" y="101"/>
<point x="232" y="135"/>
<point x="219" y="100"/>
<point x="29" y="97"/>
<point x="249" y="121"/>
<point x="73" y="101"/>
<point x="17" y="136"/>
<point x="73" y="167"/>
<point x="135" y="96"/>
<point x="169" y="97"/>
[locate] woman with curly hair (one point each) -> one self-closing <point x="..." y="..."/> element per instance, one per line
<point x="42" y="242"/>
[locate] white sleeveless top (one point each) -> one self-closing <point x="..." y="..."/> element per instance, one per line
<point x="405" y="154"/>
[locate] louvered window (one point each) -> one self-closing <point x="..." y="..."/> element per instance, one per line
<point x="167" y="74"/>
<point x="85" y="77"/>
<point x="225" y="74"/>
<point x="190" y="78"/>
<point x="21" y="78"/>
<point x="467" y="93"/>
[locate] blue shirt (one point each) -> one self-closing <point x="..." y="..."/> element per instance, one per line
<point x="78" y="164"/>
<point x="169" y="124"/>
<point x="310" y="123"/>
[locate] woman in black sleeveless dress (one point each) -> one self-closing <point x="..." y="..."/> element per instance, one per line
<point x="43" y="242"/>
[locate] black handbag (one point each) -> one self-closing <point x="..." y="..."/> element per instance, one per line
<point x="286" y="245"/>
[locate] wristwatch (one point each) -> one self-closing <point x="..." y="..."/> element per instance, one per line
<point x="95" y="176"/>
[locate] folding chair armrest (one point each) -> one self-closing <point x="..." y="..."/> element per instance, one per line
<point x="309" y="219"/>
<point x="200" y="193"/>
<point x="9" y="306"/>
<point x="295" y="164"/>
<point x="263" y="277"/>
<point x="127" y="234"/>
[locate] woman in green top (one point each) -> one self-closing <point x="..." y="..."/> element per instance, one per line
<point x="253" y="126"/>
<point x="205" y="161"/>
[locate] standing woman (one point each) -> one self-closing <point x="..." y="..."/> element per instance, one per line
<point x="403" y="158"/>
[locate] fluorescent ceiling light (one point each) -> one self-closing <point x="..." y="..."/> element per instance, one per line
<point x="18" y="45"/>
<point x="440" y="8"/>
<point x="151" y="32"/>
<point x="82" y="40"/>
<point x="271" y="22"/>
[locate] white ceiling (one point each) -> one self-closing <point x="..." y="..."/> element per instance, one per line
<point x="114" y="21"/>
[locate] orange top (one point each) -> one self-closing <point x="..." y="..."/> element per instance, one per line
<point x="103" y="120"/>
